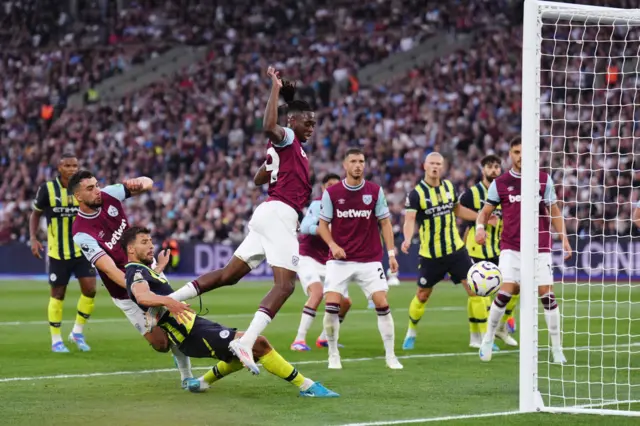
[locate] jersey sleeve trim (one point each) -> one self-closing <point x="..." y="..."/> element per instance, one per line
<point x="287" y="140"/>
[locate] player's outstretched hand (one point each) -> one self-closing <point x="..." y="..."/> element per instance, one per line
<point x="36" y="248"/>
<point x="163" y="258"/>
<point x="393" y="265"/>
<point x="481" y="236"/>
<point x="338" y="252"/>
<point x="493" y="220"/>
<point x="405" y="246"/>
<point x="180" y="311"/>
<point x="275" y="77"/>
<point x="566" y="247"/>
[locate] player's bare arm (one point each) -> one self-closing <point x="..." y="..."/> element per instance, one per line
<point x="270" y="123"/>
<point x="262" y="176"/>
<point x="143" y="294"/>
<point x="557" y="221"/>
<point x="387" y="236"/>
<point x="325" y="234"/>
<point x="408" y="229"/>
<point x="34" y="222"/>
<point x="138" y="185"/>
<point x="481" y="221"/>
<point x="108" y="266"/>
<point x="469" y="215"/>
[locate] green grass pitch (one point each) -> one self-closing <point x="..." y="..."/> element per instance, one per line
<point x="122" y="381"/>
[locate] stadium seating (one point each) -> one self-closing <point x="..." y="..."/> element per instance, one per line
<point x="198" y="133"/>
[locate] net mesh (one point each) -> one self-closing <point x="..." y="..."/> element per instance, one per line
<point x="589" y="125"/>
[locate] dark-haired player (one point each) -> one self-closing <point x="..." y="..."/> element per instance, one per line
<point x="473" y="199"/>
<point x="65" y="258"/>
<point x="355" y="208"/>
<point x="97" y="231"/>
<point x="506" y="191"/>
<point x="314" y="253"/>
<point x="272" y="228"/>
<point x="197" y="336"/>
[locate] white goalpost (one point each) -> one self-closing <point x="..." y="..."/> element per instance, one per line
<point x="580" y="89"/>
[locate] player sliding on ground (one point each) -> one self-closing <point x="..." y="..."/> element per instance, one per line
<point x="355" y="208"/>
<point x="474" y="198"/>
<point x="97" y="230"/>
<point x="272" y="228"/>
<point x="505" y="191"/>
<point x="196" y="336"/>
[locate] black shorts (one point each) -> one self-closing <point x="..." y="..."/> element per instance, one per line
<point x="432" y="271"/>
<point x="494" y="260"/>
<point x="60" y="271"/>
<point x="209" y="339"/>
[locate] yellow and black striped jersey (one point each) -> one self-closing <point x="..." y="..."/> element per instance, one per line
<point x="474" y="199"/>
<point x="60" y="208"/>
<point x="434" y="207"/>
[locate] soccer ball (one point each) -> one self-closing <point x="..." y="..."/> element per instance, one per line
<point x="484" y="278"/>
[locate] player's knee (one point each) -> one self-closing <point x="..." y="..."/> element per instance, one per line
<point x="58" y="292"/>
<point x="261" y="347"/>
<point x="90" y="292"/>
<point x="423" y="294"/>
<point x="286" y="286"/>
<point x="346" y="303"/>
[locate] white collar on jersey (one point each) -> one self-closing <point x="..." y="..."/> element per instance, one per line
<point x="90" y="216"/>
<point x="352" y="188"/>
<point x="514" y="173"/>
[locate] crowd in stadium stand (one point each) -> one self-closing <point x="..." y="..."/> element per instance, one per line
<point x="198" y="133"/>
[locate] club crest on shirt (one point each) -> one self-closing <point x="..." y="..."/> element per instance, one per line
<point x="70" y="199"/>
<point x="138" y="276"/>
<point x="367" y="199"/>
<point x="112" y="211"/>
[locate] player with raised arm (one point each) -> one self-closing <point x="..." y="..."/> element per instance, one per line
<point x="273" y="226"/>
<point x="434" y="204"/>
<point x="505" y="191"/>
<point x="473" y="199"/>
<point x="65" y="258"/>
<point x="97" y="230"/>
<point x="355" y="208"/>
<point x="194" y="335"/>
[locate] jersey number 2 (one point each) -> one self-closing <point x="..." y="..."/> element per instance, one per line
<point x="381" y="273"/>
<point x="274" y="167"/>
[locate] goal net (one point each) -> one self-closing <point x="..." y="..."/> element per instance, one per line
<point x="581" y="125"/>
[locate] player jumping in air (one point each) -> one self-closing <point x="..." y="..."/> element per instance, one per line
<point x="197" y="336"/>
<point x="505" y="191"/>
<point x="97" y="230"/>
<point x="272" y="228"/>
<point x="474" y="198"/>
<point x="313" y="258"/>
<point x="65" y="258"/>
<point x="434" y="204"/>
<point x="355" y="208"/>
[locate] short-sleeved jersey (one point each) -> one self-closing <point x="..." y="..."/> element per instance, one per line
<point x="434" y="207"/>
<point x="506" y="191"/>
<point x="354" y="213"/>
<point x="137" y="272"/>
<point x="311" y="244"/>
<point x="289" y="167"/>
<point x="474" y="199"/>
<point x="60" y="208"/>
<point x="99" y="234"/>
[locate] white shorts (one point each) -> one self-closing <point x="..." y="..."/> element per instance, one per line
<point x="510" y="267"/>
<point x="272" y="236"/>
<point x="311" y="271"/>
<point x="369" y="276"/>
<point x="133" y="313"/>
